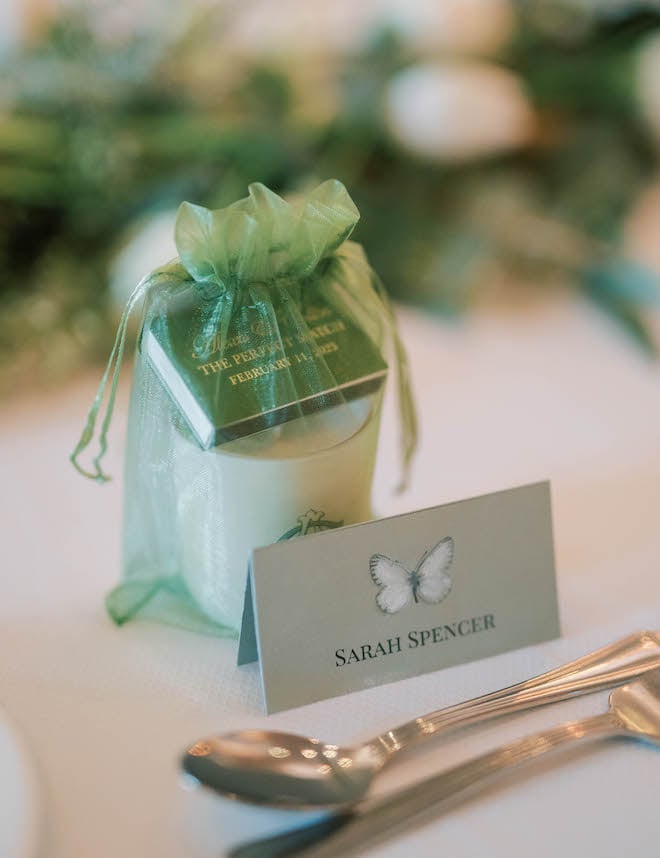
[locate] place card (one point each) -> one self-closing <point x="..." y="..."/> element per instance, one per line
<point x="359" y="606"/>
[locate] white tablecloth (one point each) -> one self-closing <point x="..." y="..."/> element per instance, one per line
<point x="547" y="390"/>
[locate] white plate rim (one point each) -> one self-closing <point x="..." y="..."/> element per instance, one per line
<point x="19" y="810"/>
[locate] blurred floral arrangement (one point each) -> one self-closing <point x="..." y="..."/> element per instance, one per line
<point x="483" y="142"/>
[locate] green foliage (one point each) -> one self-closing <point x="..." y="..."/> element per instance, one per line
<point x="96" y="134"/>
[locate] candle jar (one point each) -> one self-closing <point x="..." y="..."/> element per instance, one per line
<point x="307" y="475"/>
<point x="256" y="400"/>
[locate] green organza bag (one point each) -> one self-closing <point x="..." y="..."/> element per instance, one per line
<point x="255" y="402"/>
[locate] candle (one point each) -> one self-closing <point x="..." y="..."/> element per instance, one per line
<point x="312" y="473"/>
<point x="268" y="312"/>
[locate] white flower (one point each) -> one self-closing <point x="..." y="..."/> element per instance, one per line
<point x="300" y="26"/>
<point x="148" y="244"/>
<point x="463" y="26"/>
<point x="458" y="111"/>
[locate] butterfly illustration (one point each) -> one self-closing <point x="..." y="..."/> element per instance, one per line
<point x="399" y="586"/>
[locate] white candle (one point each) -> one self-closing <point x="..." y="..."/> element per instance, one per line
<point x="250" y="492"/>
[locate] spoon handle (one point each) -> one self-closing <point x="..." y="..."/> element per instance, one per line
<point x="610" y="665"/>
<point x="373" y="822"/>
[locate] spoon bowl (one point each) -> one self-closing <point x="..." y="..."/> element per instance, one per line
<point x="258" y="765"/>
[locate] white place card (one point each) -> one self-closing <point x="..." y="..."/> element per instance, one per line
<point x="359" y="606"/>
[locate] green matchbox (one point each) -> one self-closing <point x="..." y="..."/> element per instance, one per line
<point x="237" y="382"/>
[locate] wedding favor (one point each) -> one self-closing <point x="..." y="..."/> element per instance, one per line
<point x="256" y="399"/>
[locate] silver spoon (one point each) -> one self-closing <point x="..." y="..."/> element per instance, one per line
<point x="634" y="711"/>
<point x="286" y="770"/>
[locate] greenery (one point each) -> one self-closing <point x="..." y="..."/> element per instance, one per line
<point x="94" y="136"/>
